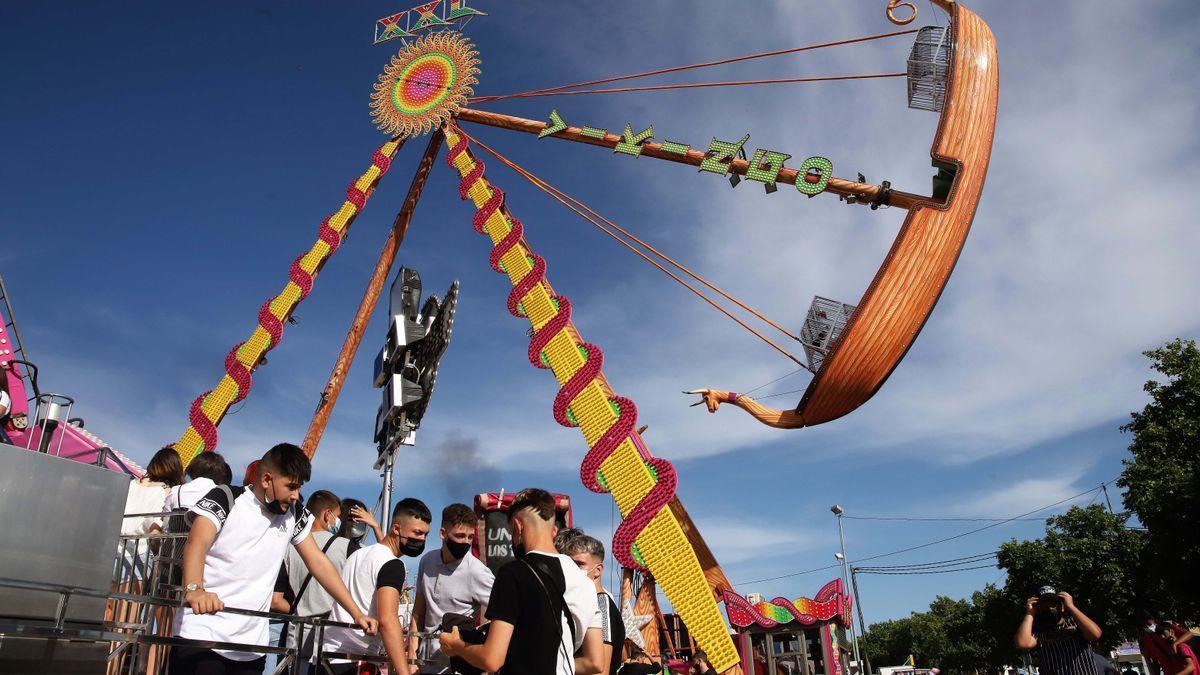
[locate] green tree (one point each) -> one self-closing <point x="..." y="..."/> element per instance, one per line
<point x="1162" y="478"/>
<point x="958" y="636"/>
<point x="1089" y="553"/>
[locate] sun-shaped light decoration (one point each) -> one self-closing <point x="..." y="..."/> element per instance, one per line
<point x="425" y="84"/>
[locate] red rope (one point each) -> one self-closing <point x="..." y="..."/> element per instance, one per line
<point x="699" y="85"/>
<point x="707" y="64"/>
<point x="566" y="200"/>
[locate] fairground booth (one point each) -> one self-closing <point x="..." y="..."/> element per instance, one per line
<point x="805" y="636"/>
<point x="493" y="543"/>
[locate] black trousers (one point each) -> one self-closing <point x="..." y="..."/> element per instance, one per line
<point x="196" y="661"/>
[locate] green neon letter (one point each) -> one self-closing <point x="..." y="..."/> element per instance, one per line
<point x="631" y="144"/>
<point x="720" y="155"/>
<point x="765" y="167"/>
<point x="814" y="166"/>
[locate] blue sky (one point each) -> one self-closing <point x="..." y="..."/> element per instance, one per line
<point x="164" y="166"/>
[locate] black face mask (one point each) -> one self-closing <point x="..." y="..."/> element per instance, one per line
<point x="412" y="548"/>
<point x="275" y="506"/>
<point x="458" y="549"/>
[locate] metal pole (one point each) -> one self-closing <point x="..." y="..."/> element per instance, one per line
<point x="1104" y="486"/>
<point x="858" y="605"/>
<point x="388" y="464"/>
<point x="845" y="580"/>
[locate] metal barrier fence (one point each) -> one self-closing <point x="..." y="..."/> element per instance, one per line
<point x="141" y="603"/>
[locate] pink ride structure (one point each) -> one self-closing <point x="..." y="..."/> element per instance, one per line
<point x="41" y="421"/>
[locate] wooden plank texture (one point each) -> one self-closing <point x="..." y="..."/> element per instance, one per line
<point x="901" y="297"/>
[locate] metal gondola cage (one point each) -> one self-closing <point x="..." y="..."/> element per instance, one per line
<point x="928" y="69"/>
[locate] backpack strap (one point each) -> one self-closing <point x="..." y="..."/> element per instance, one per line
<point x="562" y="605"/>
<point x="308" y="577"/>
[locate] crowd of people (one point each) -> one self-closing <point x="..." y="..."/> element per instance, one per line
<point x="260" y="547"/>
<point x="1062" y="637"/>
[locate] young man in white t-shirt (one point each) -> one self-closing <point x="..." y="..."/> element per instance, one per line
<point x="449" y="580"/>
<point x="232" y="556"/>
<point x="543" y="610"/>
<point x="375" y="576"/>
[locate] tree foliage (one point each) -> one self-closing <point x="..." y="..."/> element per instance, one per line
<point x="957" y="636"/>
<point x="1162" y="478"/>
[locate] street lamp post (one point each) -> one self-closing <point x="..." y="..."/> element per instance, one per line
<point x="838" y="511"/>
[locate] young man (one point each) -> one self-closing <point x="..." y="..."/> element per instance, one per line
<point x="1060" y="632"/>
<point x="588" y="555"/>
<point x="542" y="608"/>
<point x="307" y="598"/>
<point x="449" y="580"/>
<point x="375" y="575"/>
<point x="233" y="554"/>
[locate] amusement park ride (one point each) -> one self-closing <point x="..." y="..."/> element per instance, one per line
<point x="851" y="349"/>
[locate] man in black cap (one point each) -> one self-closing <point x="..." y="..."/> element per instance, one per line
<point x="1060" y="632"/>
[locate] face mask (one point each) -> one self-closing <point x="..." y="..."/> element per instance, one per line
<point x="1151" y="628"/>
<point x="458" y="549"/>
<point x="358" y="530"/>
<point x="337" y="525"/>
<point x="412" y="548"/>
<point x="274" y="506"/>
<point x="518" y="550"/>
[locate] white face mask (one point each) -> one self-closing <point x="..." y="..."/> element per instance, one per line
<point x="335" y="526"/>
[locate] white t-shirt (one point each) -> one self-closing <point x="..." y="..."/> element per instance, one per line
<point x="5" y="403"/>
<point x="185" y="496"/>
<point x="365" y="570"/>
<point x="144" y="496"/>
<point x="457" y="587"/>
<point x="241" y="567"/>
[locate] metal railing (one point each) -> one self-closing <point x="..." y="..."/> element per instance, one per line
<point x="141" y="603"/>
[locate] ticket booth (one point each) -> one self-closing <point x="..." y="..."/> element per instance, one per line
<point x="493" y="544"/>
<point x="805" y="636"/>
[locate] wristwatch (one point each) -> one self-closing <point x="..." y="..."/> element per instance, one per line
<point x="191" y="587"/>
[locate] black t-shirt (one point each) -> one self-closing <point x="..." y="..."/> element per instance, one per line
<point x="517" y="598"/>
<point x="391" y="574"/>
<point x="613" y="629"/>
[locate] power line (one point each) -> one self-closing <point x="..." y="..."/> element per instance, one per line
<point x="978" y="529"/>
<point x="958" y="569"/>
<point x="932" y="543"/>
<point x="922" y="519"/>
<point x="935" y="564"/>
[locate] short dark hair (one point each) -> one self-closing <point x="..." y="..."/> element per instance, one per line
<point x="573" y="541"/>
<point x="165" y="466"/>
<point x="700" y="656"/>
<point x="458" y="514"/>
<point x="286" y="460"/>
<point x="539" y="500"/>
<point x="322" y="500"/>
<point x="411" y="507"/>
<point x="210" y="465"/>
